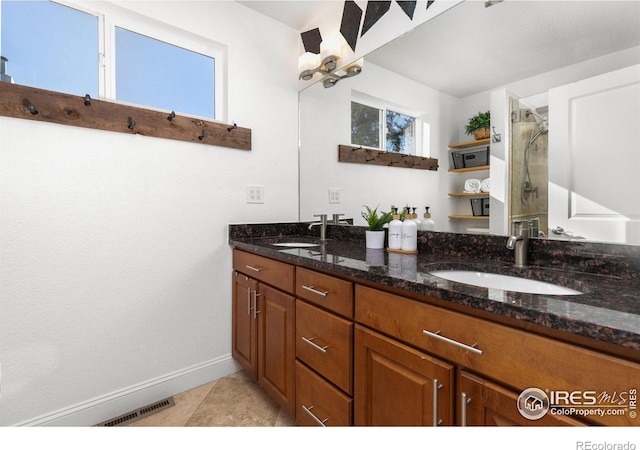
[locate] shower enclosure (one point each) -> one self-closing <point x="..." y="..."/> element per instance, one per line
<point x="529" y="169"/>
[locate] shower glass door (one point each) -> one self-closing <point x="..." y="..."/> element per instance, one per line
<point x="529" y="160"/>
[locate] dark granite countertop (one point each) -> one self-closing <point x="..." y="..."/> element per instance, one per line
<point x="607" y="312"/>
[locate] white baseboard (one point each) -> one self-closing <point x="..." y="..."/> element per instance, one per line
<point x="112" y="405"/>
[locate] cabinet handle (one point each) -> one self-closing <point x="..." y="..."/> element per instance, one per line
<point x="255" y="304"/>
<point x="464" y="401"/>
<point x="249" y="301"/>
<point x="313" y="416"/>
<point x="315" y="291"/>
<point x="436" y="334"/>
<point x="313" y="344"/>
<point x="255" y="269"/>
<point x="436" y="388"/>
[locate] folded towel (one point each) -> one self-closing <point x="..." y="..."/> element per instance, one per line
<point x="484" y="185"/>
<point x="472" y="186"/>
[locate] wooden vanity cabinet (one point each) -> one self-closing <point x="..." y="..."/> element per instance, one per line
<point x="264" y="325"/>
<point x="396" y="385"/>
<point x="512" y="358"/>
<point x="324" y="349"/>
<point x="481" y="402"/>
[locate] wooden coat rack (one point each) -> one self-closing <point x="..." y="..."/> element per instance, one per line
<point x="360" y="155"/>
<point x="29" y="103"/>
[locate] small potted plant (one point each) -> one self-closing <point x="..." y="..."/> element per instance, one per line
<point x="375" y="223"/>
<point x="479" y="125"/>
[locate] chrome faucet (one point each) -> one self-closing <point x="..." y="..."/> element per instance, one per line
<point x="323" y="226"/>
<point x="520" y="242"/>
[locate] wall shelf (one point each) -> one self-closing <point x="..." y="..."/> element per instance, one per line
<point x="468" y="217"/>
<point x="469" y="169"/>
<point x="469" y="194"/>
<point x="481" y="142"/>
<point x="24" y="102"/>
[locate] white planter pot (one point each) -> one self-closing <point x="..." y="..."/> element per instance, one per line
<point x="374" y="239"/>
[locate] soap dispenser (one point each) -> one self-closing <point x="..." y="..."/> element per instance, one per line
<point x="395" y="231"/>
<point x="415" y="217"/>
<point x="427" y="224"/>
<point x="409" y="235"/>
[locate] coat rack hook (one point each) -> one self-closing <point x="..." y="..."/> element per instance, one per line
<point x="31" y="107"/>
<point x="171" y="116"/>
<point x="87" y="100"/>
<point x="203" y="135"/>
<point x="132" y="123"/>
<point x="233" y="127"/>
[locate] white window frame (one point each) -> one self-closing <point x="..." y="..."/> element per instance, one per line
<point x="111" y="16"/>
<point x="383" y="105"/>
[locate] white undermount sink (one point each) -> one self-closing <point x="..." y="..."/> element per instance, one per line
<point x="504" y="282"/>
<point x="295" y="244"/>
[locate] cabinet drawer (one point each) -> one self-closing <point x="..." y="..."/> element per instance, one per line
<point x="325" y="342"/>
<point x="326" y="291"/>
<point x="319" y="402"/>
<point x="516" y="358"/>
<point x="275" y="273"/>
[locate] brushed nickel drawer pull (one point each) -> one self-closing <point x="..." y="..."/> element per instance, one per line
<point x="316" y="346"/>
<point x="464" y="401"/>
<point x="314" y="290"/>
<point x="255" y="269"/>
<point x="436" y="387"/>
<point x="436" y="334"/>
<point x="313" y="416"/>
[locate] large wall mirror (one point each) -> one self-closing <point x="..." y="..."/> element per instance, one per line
<point x="562" y="82"/>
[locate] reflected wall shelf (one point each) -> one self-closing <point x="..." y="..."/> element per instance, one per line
<point x="468" y="147"/>
<point x="469" y="217"/>
<point x="470" y="169"/>
<point x="481" y="142"/>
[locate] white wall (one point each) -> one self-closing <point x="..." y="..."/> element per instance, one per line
<point x="115" y="267"/>
<point x="325" y="123"/>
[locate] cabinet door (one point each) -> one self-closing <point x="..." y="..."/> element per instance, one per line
<point x="484" y="403"/>
<point x="398" y="385"/>
<point x="276" y="346"/>
<point x="244" y="349"/>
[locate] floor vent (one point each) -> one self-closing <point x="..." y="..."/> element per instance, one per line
<point x="138" y="414"/>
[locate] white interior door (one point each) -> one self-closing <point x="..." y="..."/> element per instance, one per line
<point x="594" y="160"/>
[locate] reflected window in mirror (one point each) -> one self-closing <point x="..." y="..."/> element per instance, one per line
<point x="387" y="127"/>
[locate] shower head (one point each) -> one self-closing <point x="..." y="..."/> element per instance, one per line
<point x="540" y="120"/>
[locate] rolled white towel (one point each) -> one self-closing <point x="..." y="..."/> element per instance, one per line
<point x="484" y="185"/>
<point x="472" y="186"/>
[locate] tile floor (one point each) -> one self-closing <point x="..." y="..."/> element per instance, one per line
<point x="232" y="401"/>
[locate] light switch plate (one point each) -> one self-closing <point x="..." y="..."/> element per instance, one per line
<point x="255" y="193"/>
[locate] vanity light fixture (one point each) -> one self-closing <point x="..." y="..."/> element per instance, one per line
<point x="350" y="71"/>
<point x="326" y="63"/>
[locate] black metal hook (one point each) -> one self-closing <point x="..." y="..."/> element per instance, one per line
<point x="203" y="135"/>
<point x="87" y="100"/>
<point x="132" y="123"/>
<point x="171" y="116"/>
<point x="233" y="127"/>
<point x="31" y="107"/>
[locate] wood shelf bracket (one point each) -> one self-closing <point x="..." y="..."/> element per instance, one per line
<point x="24" y="102"/>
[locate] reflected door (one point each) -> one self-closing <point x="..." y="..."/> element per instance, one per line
<point x="592" y="174"/>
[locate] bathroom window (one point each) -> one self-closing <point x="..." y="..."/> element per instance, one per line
<point x="111" y="54"/>
<point x="179" y="79"/>
<point x="50" y="46"/>
<point x="386" y="128"/>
